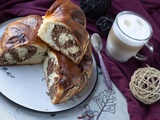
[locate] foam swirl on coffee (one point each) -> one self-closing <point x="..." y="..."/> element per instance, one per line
<point x="134" y="30"/>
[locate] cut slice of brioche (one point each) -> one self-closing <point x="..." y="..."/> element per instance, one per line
<point x="64" y="29"/>
<point x="63" y="77"/>
<point x="20" y="43"/>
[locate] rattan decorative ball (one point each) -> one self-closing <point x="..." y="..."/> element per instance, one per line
<point x="145" y="84"/>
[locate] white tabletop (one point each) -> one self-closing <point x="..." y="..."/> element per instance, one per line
<point x="102" y="104"/>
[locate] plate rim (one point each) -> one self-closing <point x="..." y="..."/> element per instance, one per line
<point x="42" y="111"/>
<point x="49" y="111"/>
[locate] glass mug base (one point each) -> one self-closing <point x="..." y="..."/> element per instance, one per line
<point x="115" y="58"/>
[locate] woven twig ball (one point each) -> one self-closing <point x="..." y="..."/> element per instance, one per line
<point x="145" y="84"/>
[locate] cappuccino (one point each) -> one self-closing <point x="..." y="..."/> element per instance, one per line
<point x="129" y="33"/>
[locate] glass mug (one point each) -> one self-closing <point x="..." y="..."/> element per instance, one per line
<point x="128" y="34"/>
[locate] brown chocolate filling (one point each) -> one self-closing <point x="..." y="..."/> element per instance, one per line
<point x="31" y="51"/>
<point x="52" y="67"/>
<point x="3" y="59"/>
<point x="53" y="89"/>
<point x="57" y="30"/>
<point x="14" y="54"/>
<point x="75" y="55"/>
<point x="69" y="44"/>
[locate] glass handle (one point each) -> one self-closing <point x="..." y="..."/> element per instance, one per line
<point x="141" y="57"/>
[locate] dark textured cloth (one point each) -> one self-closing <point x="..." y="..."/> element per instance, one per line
<point x="120" y="73"/>
<point x="17" y="8"/>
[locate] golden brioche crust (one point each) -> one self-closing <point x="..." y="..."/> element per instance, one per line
<point x="22" y="31"/>
<point x="20" y="42"/>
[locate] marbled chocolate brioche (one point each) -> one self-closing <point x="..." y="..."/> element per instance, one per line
<point x="63" y="29"/>
<point x="20" y="43"/>
<point x="63" y="77"/>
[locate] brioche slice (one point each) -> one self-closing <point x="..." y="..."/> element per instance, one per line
<point x="63" y="29"/>
<point x="63" y="77"/>
<point x="20" y="43"/>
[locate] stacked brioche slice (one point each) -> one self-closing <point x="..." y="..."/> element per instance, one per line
<point x="63" y="29"/>
<point x="20" y="43"/>
<point x="64" y="78"/>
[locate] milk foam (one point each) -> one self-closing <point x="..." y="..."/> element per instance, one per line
<point x="134" y="27"/>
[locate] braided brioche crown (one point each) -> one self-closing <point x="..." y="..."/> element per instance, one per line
<point x="60" y="43"/>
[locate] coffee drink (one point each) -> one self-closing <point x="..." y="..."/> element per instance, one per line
<point x="129" y="33"/>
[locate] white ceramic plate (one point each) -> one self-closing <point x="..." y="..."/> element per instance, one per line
<point x="26" y="86"/>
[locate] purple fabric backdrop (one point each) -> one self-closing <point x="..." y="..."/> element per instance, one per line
<point x="15" y="8"/>
<point x="120" y="73"/>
